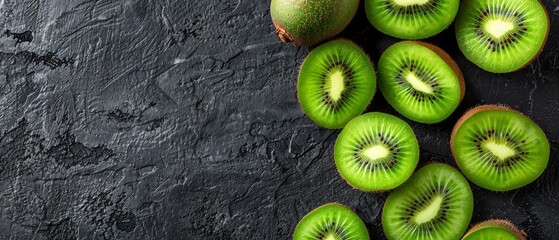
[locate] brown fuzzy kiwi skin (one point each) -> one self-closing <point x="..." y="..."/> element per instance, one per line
<point x="451" y="63"/>
<point x="283" y="34"/>
<point x="282" y="28"/>
<point x="348" y="41"/>
<point x="472" y="112"/>
<point x="521" y="235"/>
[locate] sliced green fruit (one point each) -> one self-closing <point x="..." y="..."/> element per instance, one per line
<point x="420" y="81"/>
<point x="495" y="229"/>
<point x="435" y="203"/>
<point x="411" y="19"/>
<point x="336" y="83"/>
<point x="498" y="148"/>
<point x="376" y="152"/>
<point x="501" y="36"/>
<point x="331" y="221"/>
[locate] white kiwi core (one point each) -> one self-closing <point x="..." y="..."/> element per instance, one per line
<point x="498" y="28"/>
<point x="330" y="236"/>
<point x="376" y="153"/>
<point x="405" y="3"/>
<point x="500" y="150"/>
<point x="430" y="212"/>
<point x="336" y="85"/>
<point x="418" y="84"/>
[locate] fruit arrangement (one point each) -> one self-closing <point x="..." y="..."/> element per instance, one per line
<point x="494" y="146"/>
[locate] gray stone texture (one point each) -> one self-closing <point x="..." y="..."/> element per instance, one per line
<point x="142" y="119"/>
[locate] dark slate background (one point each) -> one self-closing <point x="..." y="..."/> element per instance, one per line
<point x="141" y="119"/>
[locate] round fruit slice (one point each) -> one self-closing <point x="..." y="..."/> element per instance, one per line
<point x="336" y="83"/>
<point x="498" y="148"/>
<point x="501" y="36"/>
<point x="376" y="152"/>
<point x="331" y="221"/>
<point x="436" y="203"/>
<point x="309" y="22"/>
<point x="411" y="19"/>
<point x="495" y="229"/>
<point x="420" y="81"/>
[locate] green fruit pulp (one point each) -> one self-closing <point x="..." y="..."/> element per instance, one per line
<point x="336" y="83"/>
<point x="418" y="83"/>
<point x="501" y="36"/>
<point x="376" y="152"/>
<point x="500" y="150"/>
<point x="411" y="19"/>
<point x="435" y="203"/>
<point x="491" y="233"/>
<point x="331" y="221"/>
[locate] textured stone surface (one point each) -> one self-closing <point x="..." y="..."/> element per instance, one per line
<point x="140" y="119"/>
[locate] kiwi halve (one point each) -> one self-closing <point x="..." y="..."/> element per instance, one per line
<point x="501" y="36"/>
<point x="435" y="203"/>
<point x="495" y="229"/>
<point x="411" y="19"/>
<point x="421" y="81"/>
<point x="498" y="148"/>
<point x="331" y="221"/>
<point x="336" y="83"/>
<point x="309" y="22"/>
<point x="376" y="152"/>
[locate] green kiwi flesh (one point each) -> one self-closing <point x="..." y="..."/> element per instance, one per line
<point x="411" y="19"/>
<point x="498" y="148"/>
<point x="420" y="81"/>
<point x="435" y="203"/>
<point x="376" y="152"/>
<point x="331" y="221"/>
<point x="309" y="22"/>
<point x="501" y="36"/>
<point x="336" y="83"/>
<point x="495" y="229"/>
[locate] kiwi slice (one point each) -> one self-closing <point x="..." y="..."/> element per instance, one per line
<point x="336" y="83"/>
<point x="495" y="229"/>
<point x="435" y="203"/>
<point x="501" y="36"/>
<point x="411" y="19"/>
<point x="309" y="22"/>
<point x="376" y="152"/>
<point x="420" y="81"/>
<point x="498" y="148"/>
<point x="332" y="221"/>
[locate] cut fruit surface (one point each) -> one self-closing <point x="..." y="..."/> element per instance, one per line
<point x="331" y="221"/>
<point x="376" y="152"/>
<point x="420" y="81"/>
<point x="411" y="19"/>
<point x="336" y="83"/>
<point x="501" y="36"/>
<point x="495" y="229"/>
<point x="435" y="203"/>
<point x="498" y="148"/>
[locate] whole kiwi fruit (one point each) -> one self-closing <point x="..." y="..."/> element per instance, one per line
<point x="309" y="22"/>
